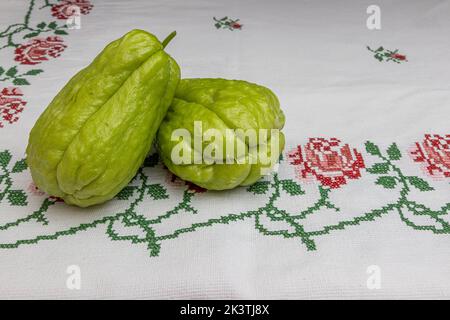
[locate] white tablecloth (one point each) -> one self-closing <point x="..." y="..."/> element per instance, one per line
<point x="360" y="204"/>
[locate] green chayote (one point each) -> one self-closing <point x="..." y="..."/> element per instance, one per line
<point x="92" y="138"/>
<point x="220" y="104"/>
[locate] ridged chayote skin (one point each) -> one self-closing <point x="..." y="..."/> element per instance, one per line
<point x="220" y="104"/>
<point x="92" y="138"/>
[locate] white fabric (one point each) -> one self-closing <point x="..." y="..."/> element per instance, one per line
<point x="313" y="55"/>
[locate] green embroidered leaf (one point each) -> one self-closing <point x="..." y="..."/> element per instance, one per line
<point x="21" y="82"/>
<point x="126" y="193"/>
<point x="17" y="198"/>
<point x="157" y="192"/>
<point x="152" y="160"/>
<point x="393" y="152"/>
<point x="387" y="182"/>
<point x="419" y="183"/>
<point x="11" y="71"/>
<point x="62" y="32"/>
<point x="1" y="71"/>
<point x="33" y="72"/>
<point x="31" y="35"/>
<point x="52" y="25"/>
<point x="20" y="166"/>
<point x="131" y="220"/>
<point x="292" y="188"/>
<point x="372" y="149"/>
<point x="379" y="168"/>
<point x="5" y="157"/>
<point x="259" y="187"/>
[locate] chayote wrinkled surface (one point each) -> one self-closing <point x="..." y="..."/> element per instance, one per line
<point x="220" y="104"/>
<point x="92" y="138"/>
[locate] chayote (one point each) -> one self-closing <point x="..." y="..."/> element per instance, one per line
<point x="221" y="105"/>
<point x="92" y="138"/>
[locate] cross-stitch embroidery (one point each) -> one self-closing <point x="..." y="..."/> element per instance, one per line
<point x="333" y="158"/>
<point x="434" y="151"/>
<point x="227" y="23"/>
<point x="382" y="54"/>
<point x="32" y="45"/>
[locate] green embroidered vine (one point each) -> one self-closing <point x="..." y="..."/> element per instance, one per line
<point x="388" y="174"/>
<point x="17" y="79"/>
<point x="15" y="197"/>
<point x="391" y="176"/>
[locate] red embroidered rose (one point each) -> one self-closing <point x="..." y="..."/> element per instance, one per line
<point x="327" y="160"/>
<point x="435" y="152"/>
<point x="11" y="105"/>
<point x="236" y="25"/>
<point x="176" y="181"/>
<point x="398" y="56"/>
<point x="69" y="8"/>
<point x="38" y="49"/>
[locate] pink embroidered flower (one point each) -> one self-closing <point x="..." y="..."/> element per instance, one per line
<point x="434" y="151"/>
<point x="330" y="162"/>
<point x="39" y="49"/>
<point x="36" y="192"/>
<point x="176" y="181"/>
<point x="11" y="105"/>
<point x="68" y="8"/>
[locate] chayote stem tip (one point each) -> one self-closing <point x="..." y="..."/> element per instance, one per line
<point x="169" y="38"/>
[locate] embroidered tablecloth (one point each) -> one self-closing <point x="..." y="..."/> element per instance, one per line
<point x="358" y="208"/>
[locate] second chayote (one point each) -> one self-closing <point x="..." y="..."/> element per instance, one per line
<point x="222" y="104"/>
